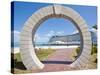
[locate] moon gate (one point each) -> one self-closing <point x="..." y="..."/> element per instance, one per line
<point x="28" y="55"/>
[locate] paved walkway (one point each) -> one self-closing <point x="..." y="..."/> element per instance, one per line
<point x="58" y="61"/>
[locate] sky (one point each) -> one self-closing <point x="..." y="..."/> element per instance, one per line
<point x="23" y="10"/>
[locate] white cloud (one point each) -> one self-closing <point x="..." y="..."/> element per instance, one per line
<point x="42" y="38"/>
<point x="16" y="32"/>
<point x="50" y="33"/>
<point x="60" y="33"/>
<point x="47" y="36"/>
<point x="16" y="35"/>
<point x="36" y="37"/>
<point x="76" y="31"/>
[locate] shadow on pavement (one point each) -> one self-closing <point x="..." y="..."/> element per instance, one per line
<point x="56" y="62"/>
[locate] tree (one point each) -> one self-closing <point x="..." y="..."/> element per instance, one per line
<point x="95" y="26"/>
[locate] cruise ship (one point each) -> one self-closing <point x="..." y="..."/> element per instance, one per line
<point x="73" y="39"/>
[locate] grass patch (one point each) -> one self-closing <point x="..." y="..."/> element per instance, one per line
<point x="42" y="54"/>
<point x="94" y="53"/>
<point x="94" y="49"/>
<point x="18" y="67"/>
<point x="17" y="57"/>
<point x="75" y="53"/>
<point x="93" y="56"/>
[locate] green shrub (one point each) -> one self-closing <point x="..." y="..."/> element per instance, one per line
<point x="94" y="49"/>
<point x="94" y="53"/>
<point x="95" y="60"/>
<point x="77" y="50"/>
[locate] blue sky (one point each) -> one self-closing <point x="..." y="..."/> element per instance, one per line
<point x="23" y="10"/>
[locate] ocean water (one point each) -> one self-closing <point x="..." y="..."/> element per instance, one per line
<point x="16" y="45"/>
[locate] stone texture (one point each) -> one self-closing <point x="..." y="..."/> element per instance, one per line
<point x="28" y="55"/>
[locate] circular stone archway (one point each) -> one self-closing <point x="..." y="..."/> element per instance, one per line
<point x="29" y="58"/>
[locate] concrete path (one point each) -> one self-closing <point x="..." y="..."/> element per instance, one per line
<point x="61" y="55"/>
<point x="58" y="61"/>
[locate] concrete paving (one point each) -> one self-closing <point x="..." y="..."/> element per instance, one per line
<point x="58" y="61"/>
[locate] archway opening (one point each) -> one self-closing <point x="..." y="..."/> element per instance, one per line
<point x="57" y="40"/>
